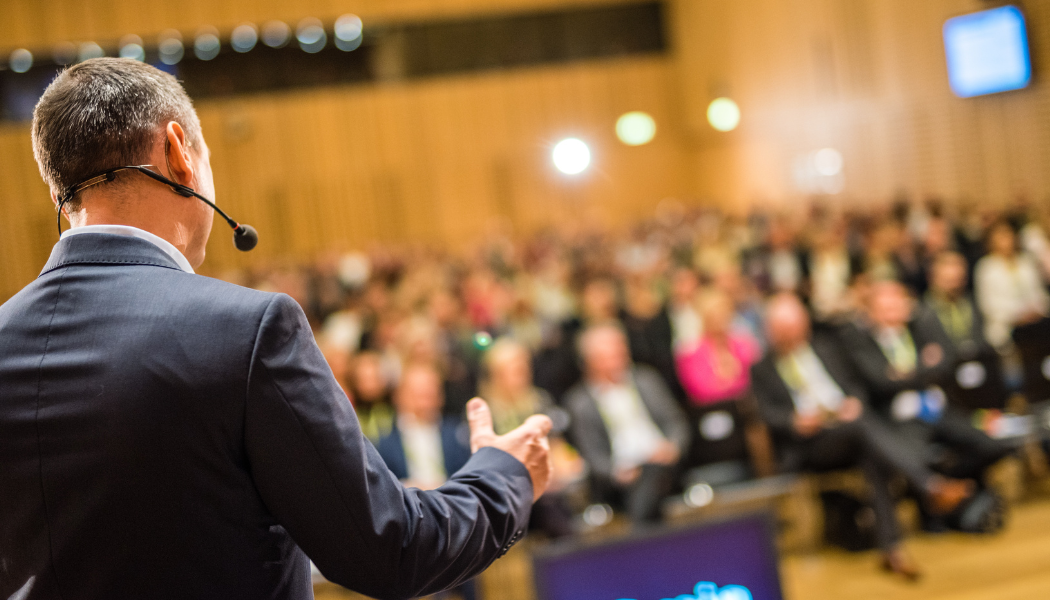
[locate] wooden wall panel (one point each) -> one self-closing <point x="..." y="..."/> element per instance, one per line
<point x="39" y="23"/>
<point x="441" y="160"/>
<point x="867" y="77"/>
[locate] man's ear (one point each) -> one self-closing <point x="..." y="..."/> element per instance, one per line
<point x="180" y="166"/>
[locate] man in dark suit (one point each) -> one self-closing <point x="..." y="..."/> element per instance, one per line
<point x="423" y="447"/>
<point x="949" y="302"/>
<point x="626" y="425"/>
<point x="816" y="413"/>
<point x="166" y="435"/>
<point x="902" y="356"/>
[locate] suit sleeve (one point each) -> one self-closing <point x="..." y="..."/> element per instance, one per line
<point x="587" y="433"/>
<point x="668" y="417"/>
<point x="778" y="415"/>
<point x="326" y="484"/>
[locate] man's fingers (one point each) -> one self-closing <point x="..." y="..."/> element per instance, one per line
<point x="479" y="417"/>
<point x="540" y="424"/>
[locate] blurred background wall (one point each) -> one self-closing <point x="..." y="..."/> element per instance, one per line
<point x="452" y="157"/>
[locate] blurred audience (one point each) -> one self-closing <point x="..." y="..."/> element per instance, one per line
<point x="819" y="418"/>
<point x="626" y="425"/>
<point x="624" y="337"/>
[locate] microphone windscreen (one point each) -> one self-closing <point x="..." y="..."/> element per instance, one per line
<point x="245" y="237"/>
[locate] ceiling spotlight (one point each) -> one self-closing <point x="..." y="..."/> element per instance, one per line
<point x="348" y="32"/>
<point x="89" y="50"/>
<point x="244" y="37"/>
<point x="723" y="114"/>
<point x="131" y="47"/>
<point x="64" y="53"/>
<point x="311" y="35"/>
<point x="635" y="128"/>
<point x="827" y="162"/>
<point x="170" y="47"/>
<point x="21" y="60"/>
<point x="276" y="34"/>
<point x="571" y="156"/>
<point x="206" y="45"/>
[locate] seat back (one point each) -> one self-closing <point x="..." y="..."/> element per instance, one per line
<point x="977" y="382"/>
<point x="1033" y="342"/>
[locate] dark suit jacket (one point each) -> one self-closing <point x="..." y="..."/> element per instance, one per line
<point x="873" y="368"/>
<point x="455" y="448"/>
<point x="651" y="343"/>
<point x="588" y="428"/>
<point x="775" y="403"/>
<point x="166" y="435"/>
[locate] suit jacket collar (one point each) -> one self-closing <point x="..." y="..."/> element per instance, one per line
<point x="106" y="249"/>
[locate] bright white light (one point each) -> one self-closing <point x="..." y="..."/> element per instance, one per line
<point x="134" y="51"/>
<point x="348" y="32"/>
<point x="723" y="114"/>
<point x="828" y="162"/>
<point x="571" y="156"/>
<point x="635" y="128"/>
<point x="207" y="45"/>
<point x="311" y="35"/>
<point x="170" y="47"/>
<point x="89" y="50"/>
<point x="21" y="60"/>
<point x="597" y="515"/>
<point x="131" y="47"/>
<point x="699" y="495"/>
<point x="244" y="37"/>
<point x="275" y="34"/>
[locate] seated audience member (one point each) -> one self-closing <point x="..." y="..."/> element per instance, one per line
<point x="423" y="448"/>
<point x="686" y="325"/>
<point x="370" y="392"/>
<point x="817" y="416"/>
<point x="831" y="269"/>
<point x="648" y="325"/>
<point x="901" y="358"/>
<point x="948" y="300"/>
<point x="513" y="398"/>
<point x="717" y="368"/>
<point x="555" y="366"/>
<point x="1009" y="287"/>
<point x="626" y="425"/>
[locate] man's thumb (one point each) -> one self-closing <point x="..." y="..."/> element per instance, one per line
<point x="479" y="417"/>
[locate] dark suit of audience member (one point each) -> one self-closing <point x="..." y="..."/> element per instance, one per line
<point x="651" y="342"/>
<point x="626" y="425"/>
<point x="817" y="415"/>
<point x="455" y="448"/>
<point x="948" y="300"/>
<point x="901" y="357"/>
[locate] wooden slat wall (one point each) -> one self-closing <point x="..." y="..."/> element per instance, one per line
<point x="442" y="160"/>
<point x="38" y="23"/>
<point x="867" y="77"/>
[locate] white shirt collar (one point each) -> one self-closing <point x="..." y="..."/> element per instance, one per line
<point x="129" y="231"/>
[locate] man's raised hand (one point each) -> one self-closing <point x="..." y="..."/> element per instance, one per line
<point x="527" y="443"/>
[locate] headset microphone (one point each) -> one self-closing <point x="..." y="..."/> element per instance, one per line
<point x="244" y="236"/>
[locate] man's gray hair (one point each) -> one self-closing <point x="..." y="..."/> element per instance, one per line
<point x="105" y="113"/>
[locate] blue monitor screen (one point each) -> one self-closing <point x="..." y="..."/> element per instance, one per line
<point x="987" y="52"/>
<point x="730" y="560"/>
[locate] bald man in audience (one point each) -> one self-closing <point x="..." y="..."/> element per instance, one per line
<point x="626" y="425"/>
<point x="816" y="411"/>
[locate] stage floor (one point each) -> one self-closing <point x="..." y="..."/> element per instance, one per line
<point x="1014" y="565"/>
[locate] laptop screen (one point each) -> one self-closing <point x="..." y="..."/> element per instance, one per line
<point x="726" y="560"/>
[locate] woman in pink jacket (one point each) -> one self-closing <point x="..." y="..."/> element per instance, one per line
<point x="718" y="367"/>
